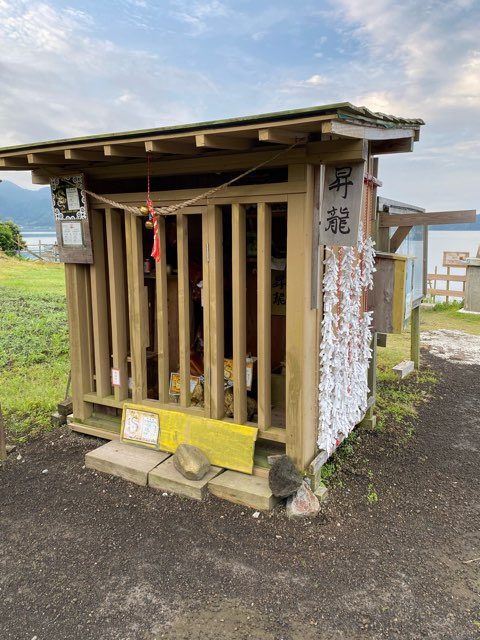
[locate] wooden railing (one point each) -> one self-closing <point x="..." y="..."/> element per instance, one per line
<point x="446" y="278"/>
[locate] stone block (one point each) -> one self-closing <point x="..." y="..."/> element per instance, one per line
<point x="127" y="461"/>
<point x="251" y="491"/>
<point x="166" y="478"/>
<point x="404" y="368"/>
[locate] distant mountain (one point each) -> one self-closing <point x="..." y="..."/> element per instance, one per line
<point x="29" y="209"/>
<point x="466" y="226"/>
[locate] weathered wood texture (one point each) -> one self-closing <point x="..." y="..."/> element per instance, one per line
<point x="301" y="359"/>
<point x="214" y="299"/>
<point x="183" y="309"/>
<point x="117" y="272"/>
<point x="264" y="312"/>
<point x="387" y="299"/>
<point x="77" y="283"/>
<point x="162" y="312"/>
<point x="100" y="315"/>
<point x="136" y="304"/>
<point x="432" y="217"/>
<point x="239" y="311"/>
<point x="415" y="336"/>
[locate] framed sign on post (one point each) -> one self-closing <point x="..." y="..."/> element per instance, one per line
<point x="455" y="258"/>
<point x="71" y="219"/>
<point x="341" y="204"/>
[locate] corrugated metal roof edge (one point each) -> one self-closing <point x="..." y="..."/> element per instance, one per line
<point x="341" y="109"/>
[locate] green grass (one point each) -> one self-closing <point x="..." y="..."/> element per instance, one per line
<point x="33" y="345"/>
<point x="398" y="400"/>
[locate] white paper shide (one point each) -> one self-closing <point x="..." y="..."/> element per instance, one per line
<point x="345" y="348"/>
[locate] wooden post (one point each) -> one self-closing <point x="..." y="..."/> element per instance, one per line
<point x="183" y="308"/>
<point x="162" y="317"/>
<point x="415" y="336"/>
<point x="447" y="298"/>
<point x="79" y="305"/>
<point x="434" y="296"/>
<point x="370" y="419"/>
<point x="118" y="302"/>
<point x="3" y="441"/>
<point x="98" y="284"/>
<point x="134" y="246"/>
<point x="239" y="306"/>
<point x="213" y="298"/>
<point x="301" y="356"/>
<point x="264" y="314"/>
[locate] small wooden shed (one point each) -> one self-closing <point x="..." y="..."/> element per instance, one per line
<point x="223" y="333"/>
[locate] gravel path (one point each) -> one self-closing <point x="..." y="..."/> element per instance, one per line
<point x="88" y="557"/>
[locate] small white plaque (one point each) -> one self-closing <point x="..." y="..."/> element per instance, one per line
<point x="73" y="201"/>
<point x="72" y="234"/>
<point x="116" y="377"/>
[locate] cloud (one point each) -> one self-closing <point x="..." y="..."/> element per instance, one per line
<point x="70" y="83"/>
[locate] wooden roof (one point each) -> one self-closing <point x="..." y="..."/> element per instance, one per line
<point x="388" y="134"/>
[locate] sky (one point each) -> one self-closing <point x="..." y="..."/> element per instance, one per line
<point x="86" y="67"/>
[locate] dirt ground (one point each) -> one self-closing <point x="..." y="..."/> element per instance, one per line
<point x="88" y="557"/>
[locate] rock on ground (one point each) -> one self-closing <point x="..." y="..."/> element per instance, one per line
<point x="284" y="478"/>
<point x="191" y="462"/>
<point x="303" y="504"/>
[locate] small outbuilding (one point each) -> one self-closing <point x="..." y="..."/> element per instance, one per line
<point x="247" y="333"/>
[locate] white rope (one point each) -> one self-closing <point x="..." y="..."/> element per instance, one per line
<point x="168" y="210"/>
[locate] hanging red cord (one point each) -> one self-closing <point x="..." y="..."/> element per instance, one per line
<point x="156" y="253"/>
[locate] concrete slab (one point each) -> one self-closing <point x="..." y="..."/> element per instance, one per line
<point x="251" y="491"/>
<point x="404" y="368"/>
<point x="125" y="460"/>
<point x="167" y="478"/>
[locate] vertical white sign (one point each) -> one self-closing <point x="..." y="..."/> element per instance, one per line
<point x="342" y="204"/>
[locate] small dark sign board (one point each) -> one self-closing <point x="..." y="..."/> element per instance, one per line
<point x="71" y="219"/>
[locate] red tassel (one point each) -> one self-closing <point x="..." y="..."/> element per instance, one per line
<point x="156" y="253"/>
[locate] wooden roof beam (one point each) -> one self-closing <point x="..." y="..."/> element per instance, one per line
<point x="204" y="141"/>
<point x="433" y="217"/>
<point x="281" y="136"/>
<point x="346" y="130"/>
<point x="170" y="146"/>
<point x="124" y="151"/>
<point x="400" y="145"/>
<point x="398" y="237"/>
<point x="82" y="155"/>
<point x="16" y="162"/>
<point x="48" y="158"/>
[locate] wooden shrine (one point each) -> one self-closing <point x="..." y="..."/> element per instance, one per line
<point x="220" y="338"/>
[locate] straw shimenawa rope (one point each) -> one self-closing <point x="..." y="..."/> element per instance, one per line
<point x="169" y="210"/>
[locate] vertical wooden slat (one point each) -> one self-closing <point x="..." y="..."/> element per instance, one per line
<point x="206" y="313"/>
<point x="264" y="314"/>
<point x="117" y="270"/>
<point x="98" y="283"/>
<point x="239" y="305"/>
<point x="133" y="237"/>
<point x="78" y="306"/>
<point x="214" y="322"/>
<point x="162" y="317"/>
<point x="183" y="308"/>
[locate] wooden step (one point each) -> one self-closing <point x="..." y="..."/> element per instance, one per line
<point x="166" y="478"/>
<point x="251" y="491"/>
<point x="127" y="461"/>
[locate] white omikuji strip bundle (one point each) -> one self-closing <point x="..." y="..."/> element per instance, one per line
<point x="345" y="349"/>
